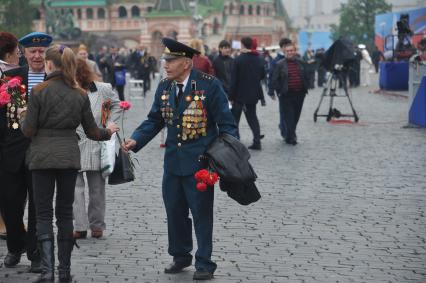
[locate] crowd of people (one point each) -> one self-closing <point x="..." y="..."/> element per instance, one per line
<point x="52" y="136"/>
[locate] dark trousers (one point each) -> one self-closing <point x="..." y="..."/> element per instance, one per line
<point x="181" y="196"/>
<point x="321" y="76"/>
<point x="14" y="189"/>
<point x="44" y="189"/>
<point x="282" y="125"/>
<point x="120" y="91"/>
<point x="251" y="116"/>
<point x="292" y="104"/>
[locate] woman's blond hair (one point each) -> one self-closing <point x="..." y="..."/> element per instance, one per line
<point x="198" y="45"/>
<point x="64" y="59"/>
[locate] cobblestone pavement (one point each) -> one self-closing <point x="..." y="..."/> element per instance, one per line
<point x="347" y="204"/>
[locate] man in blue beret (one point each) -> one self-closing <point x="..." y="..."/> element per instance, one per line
<point x="14" y="174"/>
<point x="195" y="110"/>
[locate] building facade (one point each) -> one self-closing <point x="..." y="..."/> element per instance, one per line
<point x="145" y="22"/>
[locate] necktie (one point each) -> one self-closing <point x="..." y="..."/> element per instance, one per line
<point x="179" y="95"/>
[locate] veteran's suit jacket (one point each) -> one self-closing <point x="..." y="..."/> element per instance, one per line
<point x="13" y="143"/>
<point x="182" y="156"/>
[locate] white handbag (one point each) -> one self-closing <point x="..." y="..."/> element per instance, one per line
<point x="108" y="156"/>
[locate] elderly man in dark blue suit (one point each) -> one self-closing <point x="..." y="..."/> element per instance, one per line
<point x="246" y="89"/>
<point x="194" y="108"/>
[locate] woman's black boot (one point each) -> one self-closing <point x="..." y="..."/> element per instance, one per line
<point x="47" y="252"/>
<point x="65" y="247"/>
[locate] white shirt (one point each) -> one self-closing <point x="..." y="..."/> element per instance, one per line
<point x="185" y="82"/>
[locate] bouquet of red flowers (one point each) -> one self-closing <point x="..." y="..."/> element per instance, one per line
<point x="205" y="178"/>
<point x="12" y="91"/>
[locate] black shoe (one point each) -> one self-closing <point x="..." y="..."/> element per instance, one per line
<point x="255" y="146"/>
<point x="12" y="259"/>
<point x="262" y="136"/>
<point x="176" y="267"/>
<point x="291" y="141"/>
<point x="35" y="266"/>
<point x="202" y="275"/>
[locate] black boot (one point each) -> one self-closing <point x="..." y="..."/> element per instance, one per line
<point x="65" y="247"/>
<point x="47" y="249"/>
<point x="35" y="259"/>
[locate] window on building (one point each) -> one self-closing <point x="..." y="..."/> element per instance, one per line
<point x="101" y="13"/>
<point x="79" y="14"/>
<point x="37" y="15"/>
<point x="89" y="13"/>
<point x="231" y="8"/>
<point x="122" y="12"/>
<point x="241" y="9"/>
<point x="136" y="12"/>
<point x="258" y="10"/>
<point x="250" y="10"/>
<point x="149" y="9"/>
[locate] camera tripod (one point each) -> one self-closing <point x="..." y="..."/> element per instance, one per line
<point x="330" y="90"/>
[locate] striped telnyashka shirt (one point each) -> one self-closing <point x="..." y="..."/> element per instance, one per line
<point x="34" y="79"/>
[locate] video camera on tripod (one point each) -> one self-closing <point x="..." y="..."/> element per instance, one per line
<point x="404" y="48"/>
<point x="337" y="60"/>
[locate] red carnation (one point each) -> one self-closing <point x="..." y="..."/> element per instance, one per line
<point x="14" y="82"/>
<point x="201" y="175"/>
<point x="125" y="105"/>
<point x="202" y="187"/>
<point x="22" y="89"/>
<point x="212" y="179"/>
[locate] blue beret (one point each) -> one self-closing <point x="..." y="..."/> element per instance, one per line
<point x="175" y="49"/>
<point x="36" y="39"/>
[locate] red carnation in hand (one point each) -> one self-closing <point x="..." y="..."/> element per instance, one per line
<point x="201" y="175"/>
<point x="205" y="178"/>
<point x="202" y="187"/>
<point x="212" y="179"/>
<point x="125" y="105"/>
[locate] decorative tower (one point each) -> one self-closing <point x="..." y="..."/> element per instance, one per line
<point x="171" y="18"/>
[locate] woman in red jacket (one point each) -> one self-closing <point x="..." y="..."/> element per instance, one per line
<point x="201" y="62"/>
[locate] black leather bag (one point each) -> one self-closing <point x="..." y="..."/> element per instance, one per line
<point x="123" y="168"/>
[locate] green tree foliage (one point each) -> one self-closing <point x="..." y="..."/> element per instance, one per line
<point x="357" y="20"/>
<point x="16" y="16"/>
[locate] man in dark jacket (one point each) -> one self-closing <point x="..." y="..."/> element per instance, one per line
<point x="290" y="81"/>
<point x="222" y="65"/>
<point x="271" y="91"/>
<point x="114" y="63"/>
<point x="16" y="180"/>
<point x="184" y="96"/>
<point x="246" y="89"/>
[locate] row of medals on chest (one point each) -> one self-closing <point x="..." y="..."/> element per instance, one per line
<point x="12" y="116"/>
<point x="194" y="119"/>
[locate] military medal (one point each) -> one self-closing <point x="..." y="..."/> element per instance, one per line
<point x="188" y="98"/>
<point x="15" y="125"/>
